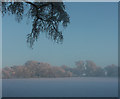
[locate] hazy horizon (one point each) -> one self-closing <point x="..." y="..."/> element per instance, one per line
<point x="35" y="69"/>
<point x="72" y="66"/>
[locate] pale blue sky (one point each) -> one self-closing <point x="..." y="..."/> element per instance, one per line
<point x="91" y="35"/>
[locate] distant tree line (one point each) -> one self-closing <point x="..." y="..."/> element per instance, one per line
<point x="34" y="69"/>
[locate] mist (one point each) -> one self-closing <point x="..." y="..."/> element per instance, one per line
<point x="35" y="69"/>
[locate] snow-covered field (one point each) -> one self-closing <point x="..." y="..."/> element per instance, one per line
<point x="60" y="87"/>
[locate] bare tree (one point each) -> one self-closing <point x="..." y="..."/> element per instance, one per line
<point x="45" y="16"/>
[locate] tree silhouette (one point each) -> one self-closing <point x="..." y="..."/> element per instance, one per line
<point x="45" y="16"/>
